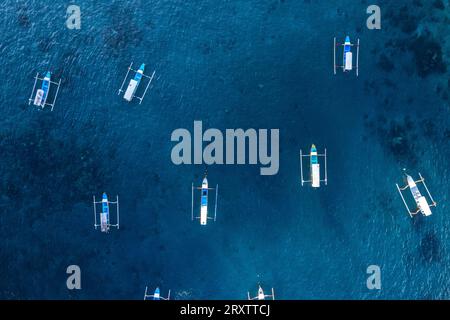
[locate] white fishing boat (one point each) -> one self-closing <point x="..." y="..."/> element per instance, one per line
<point x="156" y="295"/>
<point x="104" y="217"/>
<point x="204" y="202"/>
<point x="314" y="167"/>
<point x="347" y="56"/>
<point x="261" y="295"/>
<point x="421" y="202"/>
<point x="41" y="95"/>
<point x="133" y="85"/>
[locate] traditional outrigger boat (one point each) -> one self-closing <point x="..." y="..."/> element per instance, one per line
<point x="422" y="204"/>
<point x="347" y="56"/>
<point x="105" y="223"/>
<point x="314" y="165"/>
<point x="156" y="295"/>
<point x="204" y="202"/>
<point x="261" y="295"/>
<point x="134" y="83"/>
<point x="42" y="94"/>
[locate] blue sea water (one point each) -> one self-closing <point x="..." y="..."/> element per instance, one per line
<point x="232" y="64"/>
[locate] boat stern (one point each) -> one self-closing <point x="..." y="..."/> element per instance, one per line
<point x="131" y="89"/>
<point x="204" y="212"/>
<point x="423" y="206"/>
<point x="39" y="98"/>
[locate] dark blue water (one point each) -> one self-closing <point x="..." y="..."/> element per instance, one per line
<point x="232" y="64"/>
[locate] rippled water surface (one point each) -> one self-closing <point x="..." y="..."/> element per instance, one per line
<point x="232" y="64"/>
